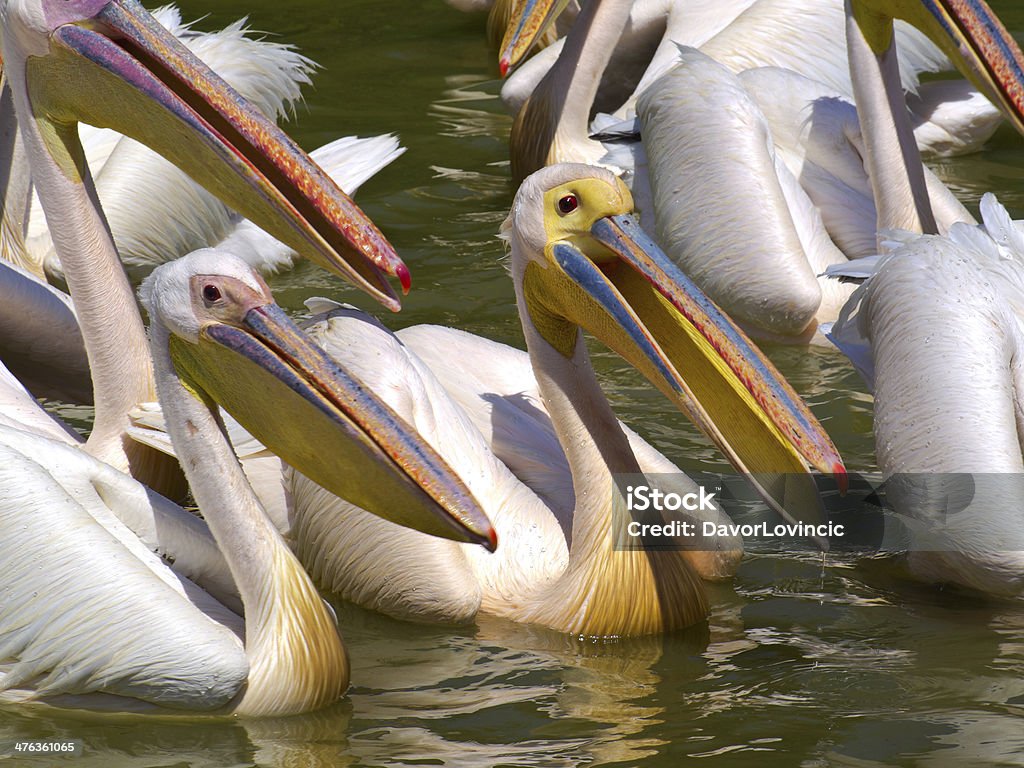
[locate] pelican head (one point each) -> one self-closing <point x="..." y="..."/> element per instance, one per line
<point x="580" y="260"/>
<point x="232" y="345"/>
<point x="110" y="64"/>
<point x="968" y="32"/>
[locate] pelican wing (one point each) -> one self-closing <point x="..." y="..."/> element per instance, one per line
<point x="499" y="393"/>
<point x="906" y="312"/>
<point x="63" y="629"/>
<point x="763" y="35"/>
<point x="941" y="317"/>
<point x="412" y="574"/>
<point x="710" y="205"/>
<point x="816" y="132"/>
<point x="951" y="117"/>
<point x="19" y="410"/>
<point x="40" y="340"/>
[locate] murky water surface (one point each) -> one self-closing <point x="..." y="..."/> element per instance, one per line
<point x="803" y="662"/>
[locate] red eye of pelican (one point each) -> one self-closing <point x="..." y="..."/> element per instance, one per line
<point x="211" y="293"/>
<point x="568" y="204"/>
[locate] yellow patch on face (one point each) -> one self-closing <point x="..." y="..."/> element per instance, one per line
<point x="570" y="210"/>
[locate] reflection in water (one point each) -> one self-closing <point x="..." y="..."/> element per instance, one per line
<point x="148" y="742"/>
<point x="802" y="659"/>
<point x="534" y="697"/>
<point x="459" y="120"/>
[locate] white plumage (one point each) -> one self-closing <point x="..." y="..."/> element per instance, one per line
<point x="757" y="224"/>
<point x="65" y="629"/>
<point x="938" y="333"/>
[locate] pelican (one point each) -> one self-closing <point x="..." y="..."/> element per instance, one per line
<point x="110" y="64"/>
<point x="134" y="635"/>
<point x="267" y="74"/>
<point x="578" y="261"/>
<point x="936" y="331"/>
<point x="790" y="193"/>
<point x="180" y="216"/>
<point x="943" y="311"/>
<point x="951" y="118"/>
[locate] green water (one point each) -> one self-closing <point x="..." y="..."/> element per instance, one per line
<point x="803" y="662"/>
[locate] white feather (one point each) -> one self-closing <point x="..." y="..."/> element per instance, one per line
<point x="350" y="161"/>
<point x="937" y="332"/>
<point x="84" y="636"/>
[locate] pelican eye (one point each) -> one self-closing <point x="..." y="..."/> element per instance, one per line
<point x="211" y="293"/>
<point x="568" y="204"/>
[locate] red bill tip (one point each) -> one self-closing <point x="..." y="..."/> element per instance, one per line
<point x="404" y="277"/>
<point x="493" y="544"/>
<point x="503" y="66"/>
<point x="842" y="479"/>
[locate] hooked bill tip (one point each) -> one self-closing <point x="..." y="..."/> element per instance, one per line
<point x="503" y="66"/>
<point x="842" y="479"/>
<point x="404" y="277"/>
<point x="492" y="541"/>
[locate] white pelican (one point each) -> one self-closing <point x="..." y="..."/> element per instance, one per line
<point x="937" y="332"/>
<point x="131" y="634"/>
<point x="774" y="178"/>
<point x="942" y="321"/>
<point x="112" y="65"/>
<point x="180" y="216"/>
<point x="267" y="74"/>
<point x="743" y="34"/>
<point x="577" y="261"/>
